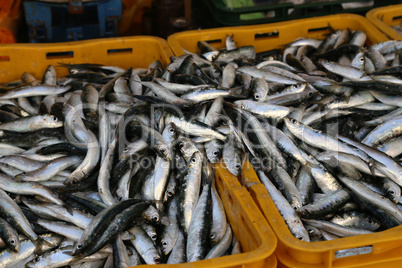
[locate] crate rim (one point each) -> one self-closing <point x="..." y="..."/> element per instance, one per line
<point x="75" y="44"/>
<point x="317" y="246"/>
<point x="261" y="196"/>
<point x="386" y="29"/>
<point x="35" y="57"/>
<point x="178" y="50"/>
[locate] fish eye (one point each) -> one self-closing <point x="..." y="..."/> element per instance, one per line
<point x="154" y="237"/>
<point x="238" y="166"/>
<point x="212" y="236"/>
<point x="300" y="237"/>
<point x="171" y="130"/>
<point x="256" y="96"/>
<point x="170" y="193"/>
<point x="164" y="151"/>
<point x="125" y="150"/>
<point x="215" y="153"/>
<point x="310" y="93"/>
<point x="181" y="145"/>
<point x="155" y="218"/>
<point x="295" y="208"/>
<point x="193" y="160"/>
<point x="12" y="241"/>
<point x="79" y="246"/>
<point x="361" y="59"/>
<point x="391" y="192"/>
<point x="157" y="259"/>
<point x="293" y="121"/>
<point x="242" y="106"/>
<point x="164" y="244"/>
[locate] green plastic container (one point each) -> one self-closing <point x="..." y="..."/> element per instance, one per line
<point x="247" y="12"/>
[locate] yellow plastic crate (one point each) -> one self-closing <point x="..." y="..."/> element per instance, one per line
<point x="125" y="52"/>
<point x="258" y="241"/>
<point x="386" y="246"/>
<point x="271" y="36"/>
<point x="385" y="17"/>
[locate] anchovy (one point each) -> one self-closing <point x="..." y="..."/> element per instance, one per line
<point x="290" y="216"/>
<point x="190" y="190"/>
<point x="32" y="123"/>
<point x="37" y="90"/>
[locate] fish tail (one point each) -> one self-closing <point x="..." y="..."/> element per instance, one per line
<point x="40" y="244"/>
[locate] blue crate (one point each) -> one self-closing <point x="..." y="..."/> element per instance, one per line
<point x="60" y="22"/>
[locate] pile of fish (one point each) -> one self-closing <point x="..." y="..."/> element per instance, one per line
<point x="92" y="176"/>
<point x="323" y="129"/>
<point x="107" y="166"/>
<point x="320" y="122"/>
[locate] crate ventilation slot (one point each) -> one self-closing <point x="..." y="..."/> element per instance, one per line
<point x="267" y="35"/>
<point x="59" y="55"/>
<point x="4" y="58"/>
<point x="120" y="51"/>
<point x="397" y="18"/>
<point x="214" y="41"/>
<point x="327" y="28"/>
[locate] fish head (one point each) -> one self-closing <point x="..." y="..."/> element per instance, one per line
<point x="51" y="120"/>
<point x="195" y="160"/>
<point x="170" y="133"/>
<point x="292" y="124"/>
<point x="167" y="245"/>
<point x="300" y="233"/>
<point x="14" y="243"/>
<point x="164" y="151"/>
<point x="241" y="104"/>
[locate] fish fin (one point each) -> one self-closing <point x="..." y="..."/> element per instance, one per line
<point x="229" y="104"/>
<point x="347" y="97"/>
<point x="196" y="109"/>
<point x="69" y="209"/>
<point x="127" y="236"/>
<point x="309" y="166"/>
<point x="40" y="244"/>
<point x="159" y="205"/>
<point x="237" y="92"/>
